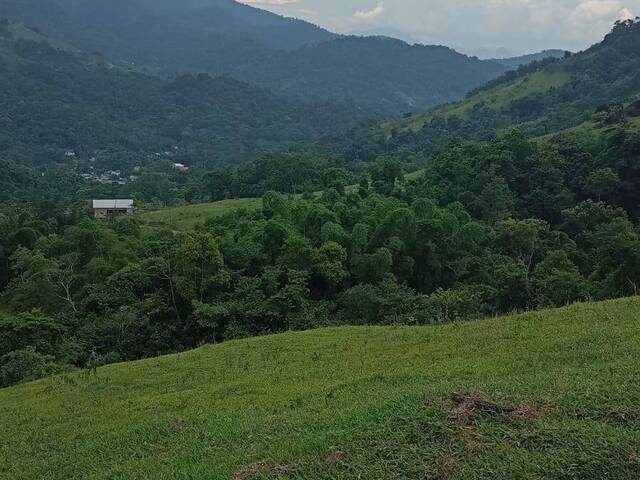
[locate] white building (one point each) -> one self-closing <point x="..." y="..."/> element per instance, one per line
<point x="102" y="208"/>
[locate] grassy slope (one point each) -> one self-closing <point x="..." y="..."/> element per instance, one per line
<point x="494" y="98"/>
<point x="591" y="135"/>
<point x="188" y="216"/>
<point x="377" y="393"/>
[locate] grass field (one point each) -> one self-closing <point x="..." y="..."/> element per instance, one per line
<point x="189" y="216"/>
<point x="591" y="136"/>
<point x="560" y="400"/>
<point x="494" y="98"/>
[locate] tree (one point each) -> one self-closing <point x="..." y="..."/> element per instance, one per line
<point x="42" y="282"/>
<point x="373" y="267"/>
<point x="602" y="183"/>
<point x="26" y="366"/>
<point x="199" y="267"/>
<point x="558" y="282"/>
<point x="329" y="266"/>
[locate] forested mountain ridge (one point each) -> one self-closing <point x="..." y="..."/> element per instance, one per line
<point x="57" y="101"/>
<point x="382" y="74"/>
<point x="516" y="62"/>
<point x="374" y="75"/>
<point x="540" y="98"/>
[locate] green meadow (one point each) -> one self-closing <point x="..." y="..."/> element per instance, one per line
<point x="186" y="217"/>
<point x="544" y="395"/>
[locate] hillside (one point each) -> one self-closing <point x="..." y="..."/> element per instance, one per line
<point x="136" y="31"/>
<point x="516" y="62"/>
<point x="383" y="74"/>
<point x="188" y="216"/>
<point x="57" y="99"/>
<point x="540" y="98"/>
<point x="559" y="400"/>
<point x="372" y="75"/>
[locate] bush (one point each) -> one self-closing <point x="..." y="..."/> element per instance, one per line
<point x="26" y="365"/>
<point x="446" y="306"/>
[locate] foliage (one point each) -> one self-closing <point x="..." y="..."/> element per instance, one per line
<point x="26" y="366"/>
<point x="487" y="228"/>
<point x="299" y="60"/>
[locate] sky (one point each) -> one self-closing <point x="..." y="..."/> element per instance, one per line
<point x="477" y="27"/>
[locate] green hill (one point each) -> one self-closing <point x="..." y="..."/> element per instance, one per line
<point x="546" y="395"/>
<point x="540" y="98"/>
<point x="119" y="117"/>
<point x="369" y="75"/>
<point x="494" y="99"/>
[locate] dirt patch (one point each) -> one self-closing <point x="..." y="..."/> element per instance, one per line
<point x="339" y="457"/>
<point x="446" y="467"/>
<point x="633" y="457"/>
<point x="176" y="424"/>
<point x="261" y="468"/>
<point x="467" y="405"/>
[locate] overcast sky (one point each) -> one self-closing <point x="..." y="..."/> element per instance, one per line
<point x="481" y="27"/>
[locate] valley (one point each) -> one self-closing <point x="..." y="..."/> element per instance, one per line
<point x="238" y="245"/>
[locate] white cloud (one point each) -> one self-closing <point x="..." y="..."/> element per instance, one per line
<point x="598" y="10"/>
<point x="370" y="16"/>
<point x="471" y="25"/>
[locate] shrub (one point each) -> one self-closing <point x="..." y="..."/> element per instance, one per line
<point x="26" y="365"/>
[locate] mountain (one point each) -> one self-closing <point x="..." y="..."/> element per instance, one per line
<point x="56" y="99"/>
<point x="179" y="36"/>
<point x="378" y="73"/>
<point x="372" y="74"/>
<point x="517" y="397"/>
<point x="515" y="62"/>
<point x="540" y="98"/>
<point x="389" y="32"/>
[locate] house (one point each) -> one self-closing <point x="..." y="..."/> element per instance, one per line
<point x="179" y="167"/>
<point x="102" y="208"/>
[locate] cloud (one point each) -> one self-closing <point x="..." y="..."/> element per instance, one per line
<point x="596" y="10"/>
<point x="370" y="16"/>
<point x="595" y="15"/>
<point x="473" y="26"/>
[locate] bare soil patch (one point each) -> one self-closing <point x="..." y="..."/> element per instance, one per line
<point x="261" y="468"/>
<point x="339" y="457"/>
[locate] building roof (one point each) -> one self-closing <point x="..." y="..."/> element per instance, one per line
<point x="113" y="204"/>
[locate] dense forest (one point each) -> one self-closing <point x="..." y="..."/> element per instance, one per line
<point x="489" y="228"/>
<point x="509" y="220"/>
<point x="56" y="100"/>
<point x="223" y="37"/>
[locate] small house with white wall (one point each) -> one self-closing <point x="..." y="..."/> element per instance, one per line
<point x="103" y="208"/>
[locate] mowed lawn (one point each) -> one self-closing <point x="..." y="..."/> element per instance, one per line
<point x="560" y="399"/>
